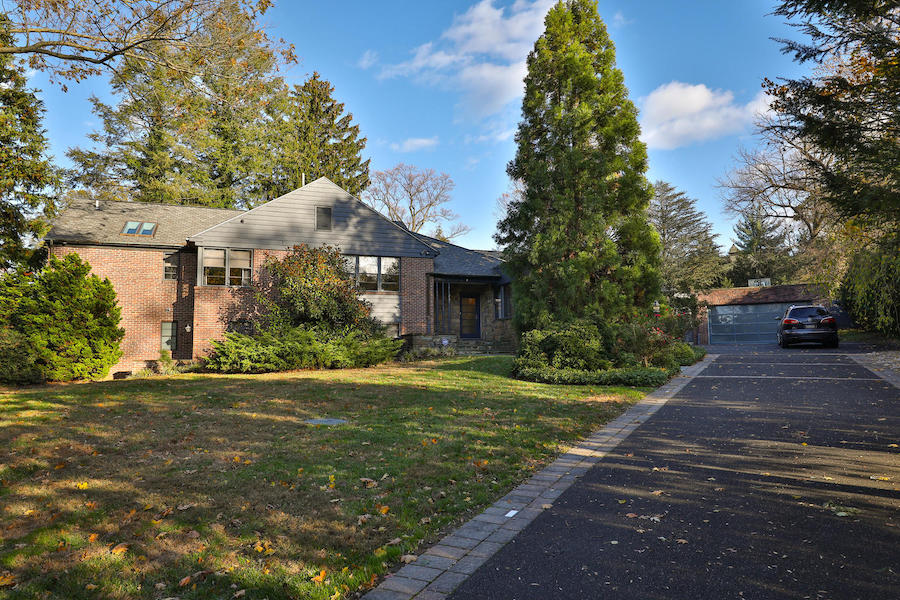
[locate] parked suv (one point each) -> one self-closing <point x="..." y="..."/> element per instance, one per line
<point x="810" y="323"/>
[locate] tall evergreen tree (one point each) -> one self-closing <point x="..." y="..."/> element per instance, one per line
<point x="201" y="141"/>
<point x="762" y="250"/>
<point x="26" y="174"/>
<point x="577" y="242"/>
<point x="316" y="138"/>
<point x="851" y="109"/>
<point x="690" y="259"/>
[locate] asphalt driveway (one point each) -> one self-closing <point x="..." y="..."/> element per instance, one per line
<point x="772" y="474"/>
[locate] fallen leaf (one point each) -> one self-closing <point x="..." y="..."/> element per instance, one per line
<point x="379" y="552"/>
<point x="184" y="581"/>
<point x="879" y="478"/>
<point x="193" y="534"/>
<point x="631" y="515"/>
<point x="408" y="558"/>
<point x="363" y="519"/>
<point x="681" y="541"/>
<point x="93" y="538"/>
<point x="60" y="465"/>
<point x="395" y="542"/>
<point x="7" y="579"/>
<point x="622" y="501"/>
<point x="186" y="506"/>
<point x="119" y="548"/>
<point x="82" y="485"/>
<point x="239" y="594"/>
<point x="320" y="577"/>
<point x="657" y="493"/>
<point x="369" y="483"/>
<point x="90" y="587"/>
<point x="382" y="508"/>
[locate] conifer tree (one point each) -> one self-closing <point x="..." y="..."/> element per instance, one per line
<point x="690" y="259"/>
<point x="762" y="250"/>
<point x="577" y="242"/>
<point x="26" y="174"/>
<point x="316" y="139"/>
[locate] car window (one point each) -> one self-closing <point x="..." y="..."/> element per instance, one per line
<point x="808" y="311"/>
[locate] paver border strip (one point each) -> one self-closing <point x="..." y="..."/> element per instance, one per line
<point x="440" y="569"/>
<point x="888" y="374"/>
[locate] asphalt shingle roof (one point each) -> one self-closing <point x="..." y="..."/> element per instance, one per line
<point x="81" y="222"/>
<point x="458" y="261"/>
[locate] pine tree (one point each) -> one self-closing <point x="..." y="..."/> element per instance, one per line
<point x="762" y="250"/>
<point x="578" y="243"/>
<point x="26" y="174"/>
<point x="316" y="139"/>
<point x="850" y="109"/>
<point x="690" y="259"/>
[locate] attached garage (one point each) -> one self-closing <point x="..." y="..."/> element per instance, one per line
<point x="747" y="315"/>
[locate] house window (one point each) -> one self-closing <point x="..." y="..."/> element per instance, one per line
<point x="239" y="267"/>
<point x="226" y="267"/>
<point x="390" y="274"/>
<point x="502" y="304"/>
<point x="139" y="228"/>
<point x="323" y="218"/>
<point x="374" y="273"/>
<point x="169" y="336"/>
<point x="170" y="266"/>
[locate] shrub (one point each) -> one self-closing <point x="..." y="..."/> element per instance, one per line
<point x="311" y="287"/>
<point x="428" y="353"/>
<point x="637" y="377"/>
<point x="17" y="365"/>
<point x="68" y="318"/>
<point x="298" y="348"/>
<point x="870" y="289"/>
<point x="577" y="345"/>
<point x="684" y="354"/>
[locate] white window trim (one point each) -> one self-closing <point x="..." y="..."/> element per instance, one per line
<point x="201" y="280"/>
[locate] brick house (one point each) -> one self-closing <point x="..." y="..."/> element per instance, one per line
<point x="183" y="274"/>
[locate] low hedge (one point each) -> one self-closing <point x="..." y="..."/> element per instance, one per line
<point x="635" y="377"/>
<point x="297" y="349"/>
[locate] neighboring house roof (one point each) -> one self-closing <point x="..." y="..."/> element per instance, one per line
<point x="799" y="292"/>
<point x="291" y="219"/>
<point x="457" y="261"/>
<point x="83" y="222"/>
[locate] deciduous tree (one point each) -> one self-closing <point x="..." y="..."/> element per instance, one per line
<point x="415" y="197"/>
<point x="578" y="243"/>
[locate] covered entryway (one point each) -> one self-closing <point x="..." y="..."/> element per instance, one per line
<point x="469" y="317"/>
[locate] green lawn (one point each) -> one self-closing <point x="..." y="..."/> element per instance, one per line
<point x="200" y="486"/>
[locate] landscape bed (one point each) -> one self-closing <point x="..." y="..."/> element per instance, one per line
<point x="214" y="486"/>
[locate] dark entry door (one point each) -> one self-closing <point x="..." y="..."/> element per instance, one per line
<point x="469" y="317"/>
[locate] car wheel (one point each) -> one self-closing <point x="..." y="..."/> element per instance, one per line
<point x="782" y="343"/>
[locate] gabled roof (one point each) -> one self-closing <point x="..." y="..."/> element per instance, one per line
<point x="457" y="261"/>
<point x="83" y="222"/>
<point x="291" y="219"/>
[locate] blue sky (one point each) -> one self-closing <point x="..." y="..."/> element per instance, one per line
<point x="438" y="85"/>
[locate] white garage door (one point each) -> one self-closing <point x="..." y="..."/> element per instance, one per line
<point x="745" y="323"/>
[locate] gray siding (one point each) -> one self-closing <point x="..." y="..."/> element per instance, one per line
<point x="290" y="220"/>
<point x="385" y="307"/>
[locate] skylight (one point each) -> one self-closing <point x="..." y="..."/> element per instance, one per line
<point x="139" y="228"/>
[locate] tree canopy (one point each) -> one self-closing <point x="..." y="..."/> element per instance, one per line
<point x="690" y="259"/>
<point x="762" y="250"/>
<point x="577" y="242"/>
<point x="26" y="173"/>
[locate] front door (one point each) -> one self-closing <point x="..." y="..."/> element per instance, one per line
<point x="469" y="317"/>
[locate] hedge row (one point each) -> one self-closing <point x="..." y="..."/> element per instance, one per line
<point x="636" y="377"/>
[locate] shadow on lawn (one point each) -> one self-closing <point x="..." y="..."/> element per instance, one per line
<point x="192" y="472"/>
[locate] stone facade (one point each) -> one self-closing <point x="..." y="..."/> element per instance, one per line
<point x="497" y="335"/>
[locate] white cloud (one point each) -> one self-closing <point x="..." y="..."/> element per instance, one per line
<point x="481" y="55"/>
<point x="619" y="20"/>
<point x="677" y="114"/>
<point x="414" y="144"/>
<point x="367" y="60"/>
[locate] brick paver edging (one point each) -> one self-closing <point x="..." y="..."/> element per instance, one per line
<point x="441" y="568"/>
<point x="886" y="373"/>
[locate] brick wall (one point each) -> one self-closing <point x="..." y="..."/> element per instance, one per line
<point x="146" y="299"/>
<point x="414" y="294"/>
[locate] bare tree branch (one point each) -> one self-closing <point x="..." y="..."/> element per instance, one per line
<point x="415" y="197"/>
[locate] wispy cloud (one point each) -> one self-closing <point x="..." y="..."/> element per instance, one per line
<point x="678" y="114"/>
<point x="619" y="20"/>
<point x="482" y="55"/>
<point x="414" y="144"/>
<point x="367" y="60"/>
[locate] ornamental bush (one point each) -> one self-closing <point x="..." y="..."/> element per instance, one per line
<point x="66" y="317"/>
<point x="298" y="348"/>
<point x="17" y="364"/>
<point x="311" y="288"/>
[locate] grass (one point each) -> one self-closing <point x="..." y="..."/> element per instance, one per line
<point x="869" y="337"/>
<point x="200" y="486"/>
